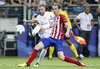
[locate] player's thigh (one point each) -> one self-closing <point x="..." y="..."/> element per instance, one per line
<point x="60" y="55"/>
<point x="39" y="46"/>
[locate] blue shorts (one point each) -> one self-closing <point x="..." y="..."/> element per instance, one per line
<point x="52" y="42"/>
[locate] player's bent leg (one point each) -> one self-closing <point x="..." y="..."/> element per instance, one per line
<point x="42" y="55"/>
<point x="72" y="47"/>
<point x="39" y="46"/>
<point x="68" y="59"/>
<point x="33" y="55"/>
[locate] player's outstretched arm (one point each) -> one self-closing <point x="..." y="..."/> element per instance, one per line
<point x="33" y="20"/>
<point x="29" y="21"/>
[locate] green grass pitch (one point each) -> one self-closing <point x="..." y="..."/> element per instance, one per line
<point x="12" y="63"/>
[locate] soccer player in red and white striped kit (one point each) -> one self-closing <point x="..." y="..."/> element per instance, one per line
<point x="56" y="38"/>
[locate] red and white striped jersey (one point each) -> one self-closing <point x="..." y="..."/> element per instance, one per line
<point x="58" y="28"/>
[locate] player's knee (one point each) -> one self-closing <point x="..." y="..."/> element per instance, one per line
<point x="61" y="57"/>
<point x="37" y="47"/>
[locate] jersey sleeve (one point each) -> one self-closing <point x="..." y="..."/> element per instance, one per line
<point x="91" y="16"/>
<point x="63" y="19"/>
<point x="79" y="16"/>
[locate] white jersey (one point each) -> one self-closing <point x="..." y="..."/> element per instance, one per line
<point x="85" y="21"/>
<point x="45" y="21"/>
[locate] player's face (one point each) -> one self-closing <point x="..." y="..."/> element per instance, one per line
<point x="41" y="10"/>
<point x="87" y="10"/>
<point x="55" y="10"/>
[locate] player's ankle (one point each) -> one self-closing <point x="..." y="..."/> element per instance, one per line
<point x="27" y="64"/>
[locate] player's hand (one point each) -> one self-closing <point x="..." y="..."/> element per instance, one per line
<point x="24" y="20"/>
<point x="67" y="34"/>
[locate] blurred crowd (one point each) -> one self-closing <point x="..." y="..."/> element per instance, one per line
<point x="48" y="2"/>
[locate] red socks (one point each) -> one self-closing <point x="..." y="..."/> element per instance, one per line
<point x="32" y="57"/>
<point x="35" y="52"/>
<point x="68" y="59"/>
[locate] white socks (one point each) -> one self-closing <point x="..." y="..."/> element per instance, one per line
<point x="42" y="55"/>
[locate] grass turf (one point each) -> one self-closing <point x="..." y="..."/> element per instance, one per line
<point x="12" y="63"/>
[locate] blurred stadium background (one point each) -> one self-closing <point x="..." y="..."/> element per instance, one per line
<point x="21" y="46"/>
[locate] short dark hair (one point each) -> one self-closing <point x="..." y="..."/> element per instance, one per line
<point x="57" y="4"/>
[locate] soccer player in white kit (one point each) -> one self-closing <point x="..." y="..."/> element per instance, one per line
<point x="44" y="19"/>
